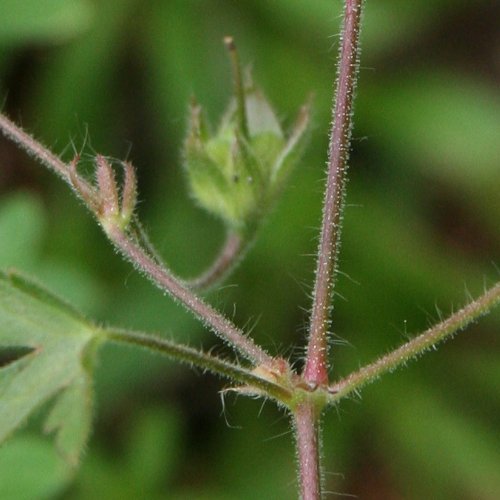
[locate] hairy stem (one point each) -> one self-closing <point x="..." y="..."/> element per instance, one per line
<point x="223" y="263"/>
<point x="316" y="368"/>
<point x="166" y="281"/>
<point x="199" y="359"/>
<point x="132" y="250"/>
<point x="418" y="345"/>
<point x="142" y="238"/>
<point x="307" y="437"/>
<point x="34" y="148"/>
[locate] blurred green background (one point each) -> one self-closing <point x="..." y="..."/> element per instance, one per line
<point x="420" y="234"/>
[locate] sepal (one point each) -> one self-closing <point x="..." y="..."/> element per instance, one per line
<point x="238" y="172"/>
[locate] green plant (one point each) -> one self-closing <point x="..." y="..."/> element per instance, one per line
<point x="305" y="394"/>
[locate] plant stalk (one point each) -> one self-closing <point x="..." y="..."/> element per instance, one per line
<point x="316" y="367"/>
<point x="306" y="415"/>
<point x="34" y="148"/>
<point x="150" y="266"/>
<point x="167" y="282"/>
<point x="417" y="346"/>
<point x="188" y="355"/>
<point x="228" y="257"/>
<point x="307" y="437"/>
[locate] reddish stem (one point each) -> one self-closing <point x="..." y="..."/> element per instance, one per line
<point x="418" y="345"/>
<point x="306" y="432"/>
<point x="316" y="368"/>
<point x="224" y="262"/>
<point x="150" y="266"/>
<point x="34" y="148"/>
<point x="172" y="285"/>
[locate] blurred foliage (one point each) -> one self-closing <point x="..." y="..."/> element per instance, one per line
<point x="43" y="21"/>
<point x="420" y="234"/>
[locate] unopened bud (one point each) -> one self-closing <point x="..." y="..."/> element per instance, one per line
<point x="238" y="172"/>
<point x="108" y="193"/>
<point x="129" y="193"/>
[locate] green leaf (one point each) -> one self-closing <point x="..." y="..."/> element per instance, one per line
<point x="63" y="344"/>
<point x="42" y="20"/>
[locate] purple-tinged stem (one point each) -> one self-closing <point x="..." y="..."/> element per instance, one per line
<point x="172" y="285"/>
<point x="132" y="251"/>
<point x="34" y="148"/>
<point x="418" y="345"/>
<point x="307" y="437"/>
<point x="316" y="367"/>
<point x="224" y="262"/>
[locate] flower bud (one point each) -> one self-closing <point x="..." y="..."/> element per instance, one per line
<point x="113" y="210"/>
<point x="238" y="172"/>
<point x="129" y="193"/>
<point x="109" y="205"/>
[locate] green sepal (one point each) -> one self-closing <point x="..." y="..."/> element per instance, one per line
<point x="237" y="173"/>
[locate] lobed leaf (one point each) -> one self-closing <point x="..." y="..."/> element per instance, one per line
<point x="62" y="345"/>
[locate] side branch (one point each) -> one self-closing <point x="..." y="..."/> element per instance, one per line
<point x="418" y="345"/>
<point x="199" y="359"/>
<point x="34" y="148"/>
<point x="103" y="202"/>
<point x="228" y="257"/>
<point x="166" y="281"/>
<point x="316" y="368"/>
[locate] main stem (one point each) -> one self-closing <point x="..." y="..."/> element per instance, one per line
<point x="307" y="436"/>
<point x="316" y="368"/>
<point x="306" y="415"/>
